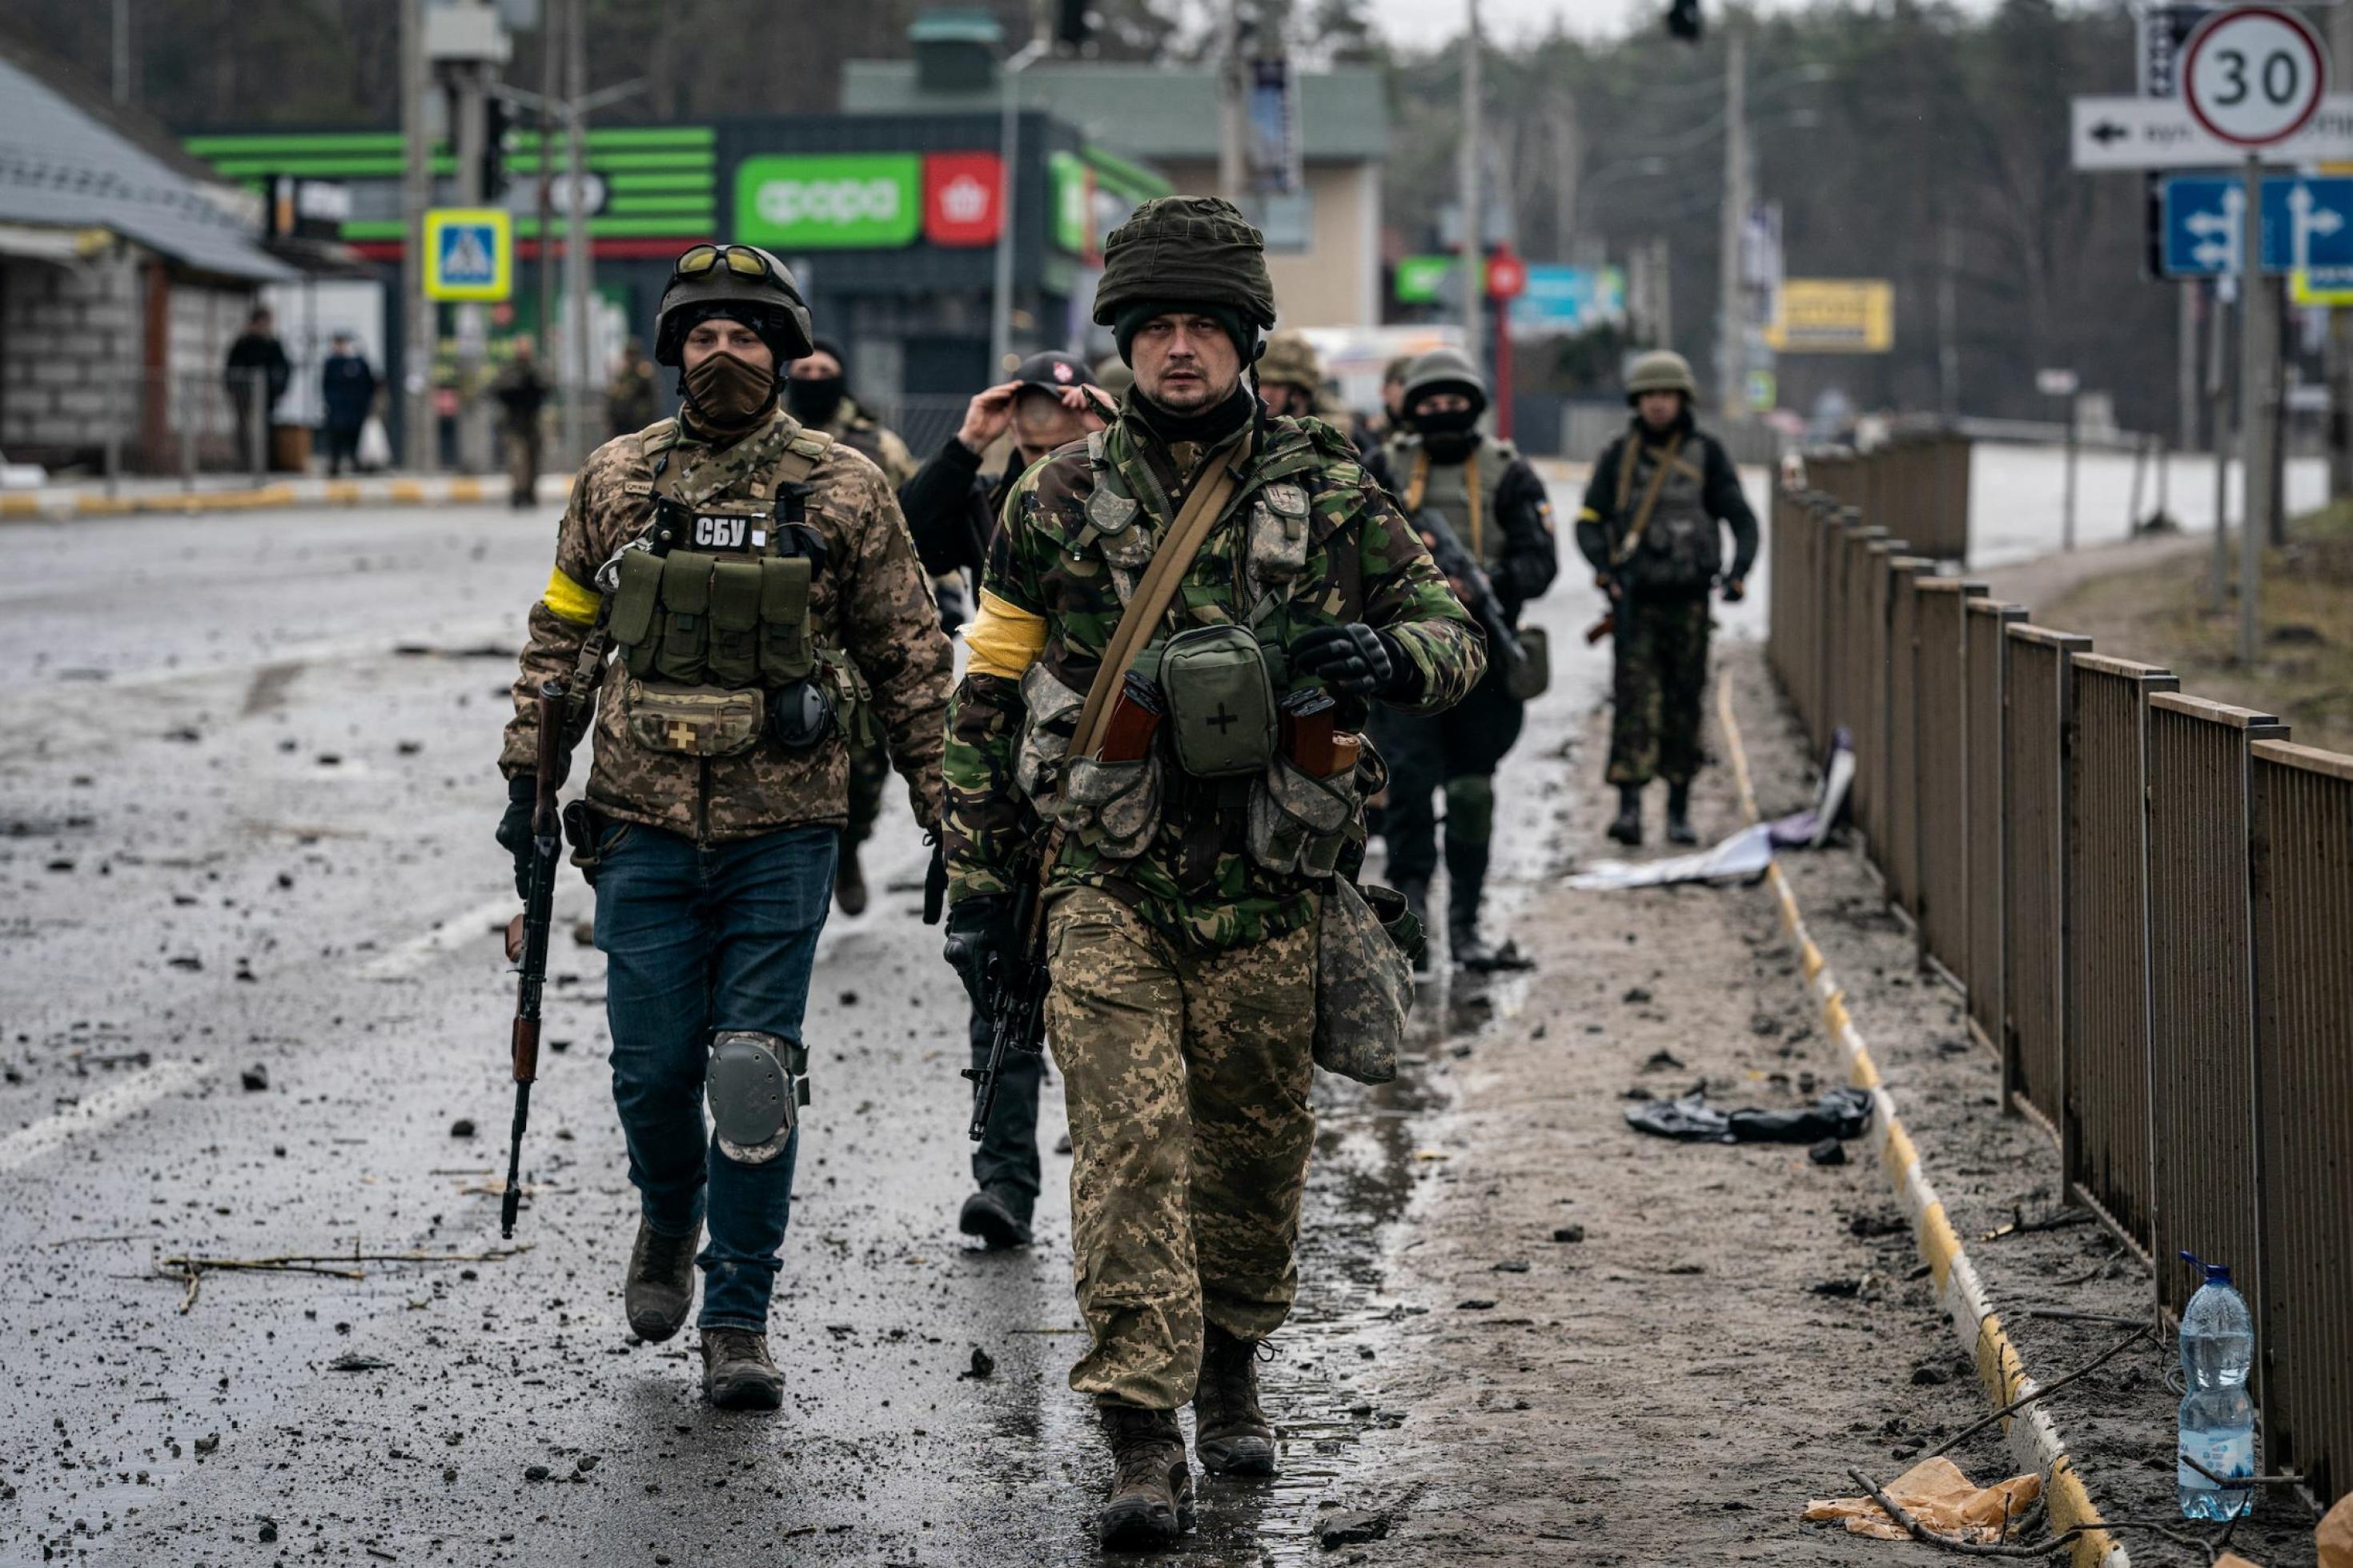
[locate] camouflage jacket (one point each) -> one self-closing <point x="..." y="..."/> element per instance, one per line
<point x="877" y="442"/>
<point x="1050" y="576"/>
<point x="871" y="600"/>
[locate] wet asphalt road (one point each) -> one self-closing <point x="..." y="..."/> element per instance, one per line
<point x="250" y="989"/>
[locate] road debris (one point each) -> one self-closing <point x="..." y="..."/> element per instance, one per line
<point x="1936" y="1497"/>
<point x="1841" y="1113"/>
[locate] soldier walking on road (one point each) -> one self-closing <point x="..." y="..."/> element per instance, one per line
<point x="1495" y="505"/>
<point x="952" y="509"/>
<point x="1657" y="497"/>
<point x="1185" y="865"/>
<point x="630" y="395"/>
<point x="818" y="396"/>
<point x="522" y="392"/>
<point x="734" y="563"/>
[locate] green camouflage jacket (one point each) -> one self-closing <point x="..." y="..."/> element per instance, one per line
<point x="871" y="600"/>
<point x="1050" y="574"/>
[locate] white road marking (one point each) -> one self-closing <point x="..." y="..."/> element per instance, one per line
<point x="474" y="926"/>
<point x="109" y="1104"/>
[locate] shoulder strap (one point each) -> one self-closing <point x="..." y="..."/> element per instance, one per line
<point x="801" y="455"/>
<point x="657" y="438"/>
<point x="1170" y="562"/>
<point x="1625" y="547"/>
<point x="1419" y="482"/>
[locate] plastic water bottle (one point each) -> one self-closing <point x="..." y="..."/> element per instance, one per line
<point x="2218" y="1419"/>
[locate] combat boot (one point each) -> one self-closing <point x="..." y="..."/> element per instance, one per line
<point x="1151" y="1501"/>
<point x="660" y="1283"/>
<point x="1628" y="828"/>
<point x="988" y="1215"/>
<point x="849" y="882"/>
<point x="1679" y="827"/>
<point x="738" y="1374"/>
<point x="1230" y="1433"/>
<point x="1417" y="900"/>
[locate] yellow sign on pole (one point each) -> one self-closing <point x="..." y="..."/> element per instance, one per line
<point x="468" y="254"/>
<point x="2331" y="287"/>
<point x="1834" y="316"/>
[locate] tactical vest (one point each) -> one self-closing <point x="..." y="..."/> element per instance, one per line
<point x="1678" y="549"/>
<point x="1464" y="493"/>
<point x="714" y="600"/>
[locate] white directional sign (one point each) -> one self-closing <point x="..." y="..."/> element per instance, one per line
<point x="2253" y="75"/>
<point x="2160" y="133"/>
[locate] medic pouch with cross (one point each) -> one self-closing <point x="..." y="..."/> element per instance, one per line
<point x="1221" y="714"/>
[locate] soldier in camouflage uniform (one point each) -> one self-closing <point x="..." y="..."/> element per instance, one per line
<point x="1183" y="907"/>
<point x="733" y="564"/>
<point x="1649" y="529"/>
<point x="818" y="395"/>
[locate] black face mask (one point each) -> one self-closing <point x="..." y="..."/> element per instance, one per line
<point x="815" y="400"/>
<point x="1449" y="437"/>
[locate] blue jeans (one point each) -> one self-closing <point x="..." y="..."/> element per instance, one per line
<point x="697" y="939"/>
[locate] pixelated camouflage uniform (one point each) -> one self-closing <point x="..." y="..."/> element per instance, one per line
<point x="870" y="765"/>
<point x="1662" y="625"/>
<point x="1182" y="963"/>
<point x="871" y="601"/>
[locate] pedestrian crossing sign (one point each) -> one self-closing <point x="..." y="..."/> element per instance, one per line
<point x="468" y="254"/>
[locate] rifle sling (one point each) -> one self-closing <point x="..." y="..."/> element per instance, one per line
<point x="1625" y="547"/>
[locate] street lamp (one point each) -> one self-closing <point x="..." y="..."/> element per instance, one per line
<point x="1008" y="157"/>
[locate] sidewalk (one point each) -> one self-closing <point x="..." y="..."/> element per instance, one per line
<point x="220" y="492"/>
<point x="1731" y="1326"/>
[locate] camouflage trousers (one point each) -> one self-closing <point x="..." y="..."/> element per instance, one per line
<point x="870" y="770"/>
<point x="1661" y="668"/>
<point x="1186" y="1074"/>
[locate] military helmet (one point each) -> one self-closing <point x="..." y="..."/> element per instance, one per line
<point x="1661" y="369"/>
<point x="1444" y="369"/>
<point x="1113" y="376"/>
<point x="1289" y="361"/>
<point x="1185" y="250"/>
<point x="742" y="283"/>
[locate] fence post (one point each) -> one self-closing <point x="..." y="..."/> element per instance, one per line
<point x="1940" y="773"/>
<point x="1985" y="712"/>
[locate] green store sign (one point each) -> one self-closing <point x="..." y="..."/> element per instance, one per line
<point x="869" y="201"/>
<point x="1073" y="193"/>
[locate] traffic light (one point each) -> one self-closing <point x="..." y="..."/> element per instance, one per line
<point x="1682" y="20"/>
<point x="495" y="118"/>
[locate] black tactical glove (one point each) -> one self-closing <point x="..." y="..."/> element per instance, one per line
<point x="1353" y="660"/>
<point x="1735" y="589"/>
<point x="514" y="828"/>
<point x="980" y="933"/>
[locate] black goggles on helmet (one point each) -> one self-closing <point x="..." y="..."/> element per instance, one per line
<point x="740" y="259"/>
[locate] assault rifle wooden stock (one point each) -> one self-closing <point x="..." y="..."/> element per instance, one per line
<point x="528" y="945"/>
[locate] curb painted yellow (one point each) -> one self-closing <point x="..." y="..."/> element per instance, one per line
<point x="35" y="507"/>
<point x="2034" y="1439"/>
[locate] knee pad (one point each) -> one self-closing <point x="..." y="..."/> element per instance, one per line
<point x="1471" y="808"/>
<point x="755" y="1086"/>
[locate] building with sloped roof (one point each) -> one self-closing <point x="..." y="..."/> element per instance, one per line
<point x="124" y="276"/>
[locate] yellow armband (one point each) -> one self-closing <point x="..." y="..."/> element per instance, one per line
<point x="1005" y="640"/>
<point x="568" y="601"/>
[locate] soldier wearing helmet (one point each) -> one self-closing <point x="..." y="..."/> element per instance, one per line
<point x="1440" y="461"/>
<point x="1290" y="380"/>
<point x="1190" y="867"/>
<point x="1649" y="527"/>
<point x="734" y="597"/>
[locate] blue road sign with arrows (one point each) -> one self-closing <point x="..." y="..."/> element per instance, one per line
<point x="2308" y="224"/>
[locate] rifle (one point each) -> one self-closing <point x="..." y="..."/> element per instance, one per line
<point x="528" y="945"/>
<point x="1608" y="624"/>
<point x="1458" y="564"/>
<point x="1014" y="994"/>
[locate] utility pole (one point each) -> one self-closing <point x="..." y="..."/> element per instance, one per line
<point x="1229" y="102"/>
<point x="1948" y="347"/>
<point x="1731" y="326"/>
<point x="550" y="94"/>
<point x="2258" y="340"/>
<point x="2218" y="397"/>
<point x="121" y="53"/>
<point x="416" y="196"/>
<point x="1008" y="158"/>
<point x="1474" y="225"/>
<point x="469" y="114"/>
<point x="577" y="274"/>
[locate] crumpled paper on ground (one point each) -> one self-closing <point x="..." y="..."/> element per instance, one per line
<point x="2335" y="1536"/>
<point x="1935" y="1492"/>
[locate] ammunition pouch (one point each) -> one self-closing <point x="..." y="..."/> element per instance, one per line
<point x="1221" y="709"/>
<point x="1051" y="711"/>
<point x="694" y="617"/>
<point x="1297" y="823"/>
<point x="1112" y="809"/>
<point x="1531" y="678"/>
<point x="581" y="826"/>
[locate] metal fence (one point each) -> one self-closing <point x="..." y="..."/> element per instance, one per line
<point x="2146" y="898"/>
<point x="1916" y="483"/>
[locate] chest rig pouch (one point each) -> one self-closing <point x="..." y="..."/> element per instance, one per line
<point x="1221" y="714"/>
<point x="712" y="619"/>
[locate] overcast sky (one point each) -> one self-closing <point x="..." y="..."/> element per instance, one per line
<point x="1425" y="22"/>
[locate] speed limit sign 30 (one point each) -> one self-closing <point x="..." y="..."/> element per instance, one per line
<point x="2253" y="75"/>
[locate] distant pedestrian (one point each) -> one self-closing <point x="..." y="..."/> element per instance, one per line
<point x="629" y="402"/>
<point x="522" y="392"/>
<point x="347" y="388"/>
<point x="1648" y="528"/>
<point x="256" y="376"/>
